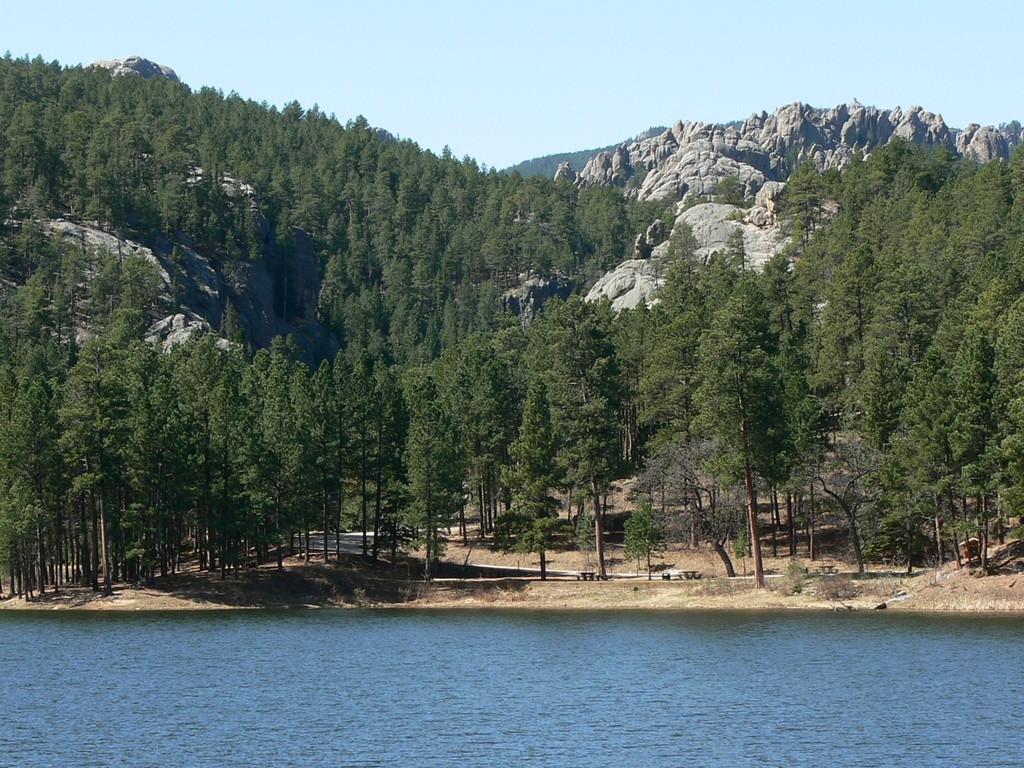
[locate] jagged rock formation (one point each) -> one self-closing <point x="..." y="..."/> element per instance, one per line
<point x="566" y="172"/>
<point x="646" y="242"/>
<point x="692" y="158"/>
<point x="136" y="65"/>
<point x="985" y="143"/>
<point x="178" y="329"/>
<point x="526" y="299"/>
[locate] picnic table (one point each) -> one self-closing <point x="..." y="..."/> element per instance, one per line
<point x="586" y="576"/>
<point x="828" y="570"/>
<point x="689" y="575"/>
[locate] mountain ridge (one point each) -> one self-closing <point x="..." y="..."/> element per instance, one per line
<point x="692" y="158"/>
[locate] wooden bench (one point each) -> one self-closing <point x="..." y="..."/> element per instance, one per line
<point x="586" y="576"/>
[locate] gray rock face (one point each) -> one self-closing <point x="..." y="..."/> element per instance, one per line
<point x="632" y="283"/>
<point x="690" y="159"/>
<point x="646" y="242"/>
<point x="636" y="281"/>
<point x="713" y="224"/>
<point x="136" y="65"/>
<point x="274" y="291"/>
<point x="526" y="299"/>
<point x="984" y="143"/>
<point x="566" y="172"/>
<point x="178" y="329"/>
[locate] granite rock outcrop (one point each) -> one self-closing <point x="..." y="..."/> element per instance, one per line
<point x="136" y="65"/>
<point x="633" y="282"/>
<point x="272" y="291"/>
<point x="527" y="298"/>
<point x="692" y="158"/>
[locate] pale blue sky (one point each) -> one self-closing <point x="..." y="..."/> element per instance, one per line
<point x="508" y="81"/>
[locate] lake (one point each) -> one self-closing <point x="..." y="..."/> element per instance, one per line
<point x="447" y="688"/>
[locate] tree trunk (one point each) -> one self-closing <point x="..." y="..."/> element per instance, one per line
<point x="598" y="530"/>
<point x="776" y="523"/>
<point x="480" y="509"/>
<point x="40" y="552"/>
<point x="327" y="512"/>
<point x="543" y="565"/>
<point x="94" y="545"/>
<point x="430" y="533"/>
<point x="855" y="543"/>
<point x="810" y="526"/>
<point x="107" y="588"/>
<point x="910" y="546"/>
<point x="755" y="533"/>
<point x="84" y="557"/>
<point x="984" y="533"/>
<point x="277" y="525"/>
<point x="790" y="528"/>
<point x="337" y="528"/>
<point x="362" y="501"/>
<point x="719" y="546"/>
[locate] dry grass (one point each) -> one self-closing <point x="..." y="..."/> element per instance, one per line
<point x="352" y="582"/>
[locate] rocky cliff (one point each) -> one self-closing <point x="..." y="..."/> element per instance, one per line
<point x="136" y="65"/>
<point x="692" y="158"/>
<point x="714" y="227"/>
<point x="527" y="298"/>
<point x="267" y="293"/>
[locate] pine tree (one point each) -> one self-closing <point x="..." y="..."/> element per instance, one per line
<point x="532" y="524"/>
<point x="435" y="466"/>
<point x="740" y="396"/>
<point x="583" y="391"/>
<point x="643" y="536"/>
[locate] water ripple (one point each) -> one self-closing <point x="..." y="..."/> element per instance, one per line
<point x="354" y="688"/>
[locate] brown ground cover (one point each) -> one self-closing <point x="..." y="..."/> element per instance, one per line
<point x="792" y="583"/>
<point x="351" y="582"/>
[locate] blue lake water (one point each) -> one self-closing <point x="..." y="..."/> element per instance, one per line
<point x="405" y="688"/>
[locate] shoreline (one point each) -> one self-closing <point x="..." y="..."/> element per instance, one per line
<point x="303" y="586"/>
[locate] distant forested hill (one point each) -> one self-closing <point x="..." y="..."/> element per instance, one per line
<point x="346" y="232"/>
<point x="865" y="384"/>
<point x="547" y="165"/>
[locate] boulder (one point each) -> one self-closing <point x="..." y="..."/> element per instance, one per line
<point x="178" y="329"/>
<point x="647" y="241"/>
